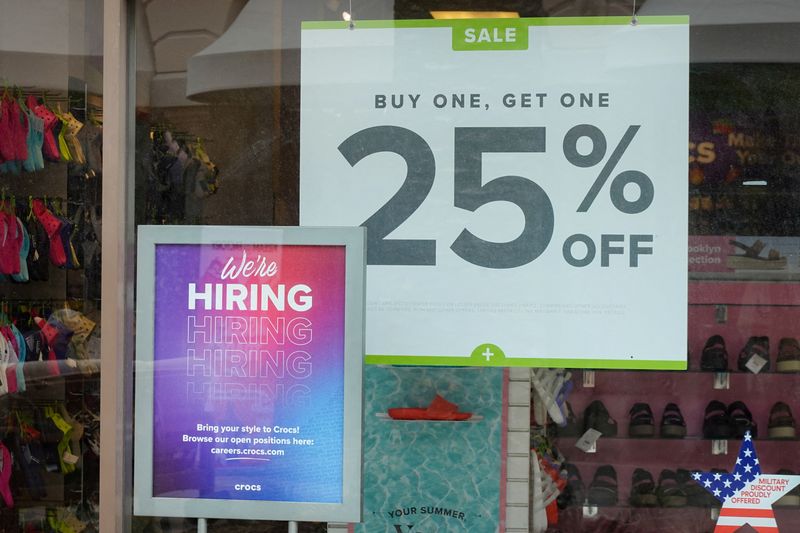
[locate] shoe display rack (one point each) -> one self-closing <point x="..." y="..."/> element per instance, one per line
<point x="658" y="427"/>
<point x="49" y="315"/>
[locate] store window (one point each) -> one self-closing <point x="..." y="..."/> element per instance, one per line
<point x="218" y="142"/>
<point x="51" y="155"/>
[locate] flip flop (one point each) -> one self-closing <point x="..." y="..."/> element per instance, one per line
<point x="553" y="386"/>
<point x="438" y="409"/>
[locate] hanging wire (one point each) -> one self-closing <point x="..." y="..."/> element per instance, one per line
<point x="352" y="18"/>
<point x="634" y="19"/>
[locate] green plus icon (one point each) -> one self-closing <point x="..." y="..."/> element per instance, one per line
<point x="488" y="355"/>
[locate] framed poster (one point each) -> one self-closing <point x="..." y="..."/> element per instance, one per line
<point x="249" y="354"/>
<point x="523" y="183"/>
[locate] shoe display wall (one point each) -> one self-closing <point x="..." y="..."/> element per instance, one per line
<point x="50" y="219"/>
<point x="706" y="411"/>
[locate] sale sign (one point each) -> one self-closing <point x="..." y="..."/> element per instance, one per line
<point x="522" y="182"/>
<point x="248" y="358"/>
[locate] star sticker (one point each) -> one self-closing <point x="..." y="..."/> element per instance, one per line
<point x="747" y="495"/>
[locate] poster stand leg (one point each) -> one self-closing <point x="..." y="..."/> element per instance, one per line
<point x="202" y="526"/>
<point x="292" y="527"/>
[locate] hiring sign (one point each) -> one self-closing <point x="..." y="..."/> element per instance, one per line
<point x="249" y="354"/>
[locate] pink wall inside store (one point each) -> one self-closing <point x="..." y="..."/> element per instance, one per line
<point x="776" y="315"/>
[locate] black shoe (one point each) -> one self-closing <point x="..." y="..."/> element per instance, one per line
<point x="643" y="489"/>
<point x="791" y="498"/>
<point x="672" y="424"/>
<point x="755" y="346"/>
<point x="741" y="420"/>
<point x="571" y="429"/>
<point x="781" y="422"/>
<point x="696" y="495"/>
<point x="715" y="356"/>
<point x="670" y="492"/>
<point x="788" y="359"/>
<point x="716" y="424"/>
<point x="574" y="493"/>
<point x="641" y="424"/>
<point x="603" y="489"/>
<point x="596" y="417"/>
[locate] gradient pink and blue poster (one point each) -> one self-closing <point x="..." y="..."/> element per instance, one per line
<point x="249" y="372"/>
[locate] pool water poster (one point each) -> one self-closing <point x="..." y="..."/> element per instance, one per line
<point x="248" y="372"/>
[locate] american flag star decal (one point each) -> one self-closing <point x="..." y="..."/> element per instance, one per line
<point x="746" y="494"/>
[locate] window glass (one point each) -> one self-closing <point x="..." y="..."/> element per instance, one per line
<point x="217" y="142"/>
<point x="51" y="132"/>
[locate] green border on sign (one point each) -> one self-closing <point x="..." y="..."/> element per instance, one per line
<point x="449" y="23"/>
<point x="544" y="362"/>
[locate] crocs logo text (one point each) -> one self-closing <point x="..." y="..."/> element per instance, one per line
<point x="249" y="268"/>
<point x="248" y="487"/>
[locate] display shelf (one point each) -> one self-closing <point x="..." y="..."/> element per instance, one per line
<point x="690" y="372"/>
<point x="736" y="309"/>
<point x="746" y="275"/>
<point x="629" y="507"/>
<point x="688" y="438"/>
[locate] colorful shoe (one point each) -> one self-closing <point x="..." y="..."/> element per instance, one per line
<point x="552" y="386"/>
<point x="438" y="409"/>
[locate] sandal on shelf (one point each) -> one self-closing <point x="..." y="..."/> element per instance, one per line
<point x="751" y="259"/>
<point x="781" y="422"/>
<point x="715" y="356"/>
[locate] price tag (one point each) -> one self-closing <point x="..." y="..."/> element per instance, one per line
<point x="588" y="441"/>
<point x="756" y="363"/>
<point x="519" y="182"/>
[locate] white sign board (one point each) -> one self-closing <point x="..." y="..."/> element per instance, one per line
<point x="523" y="184"/>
